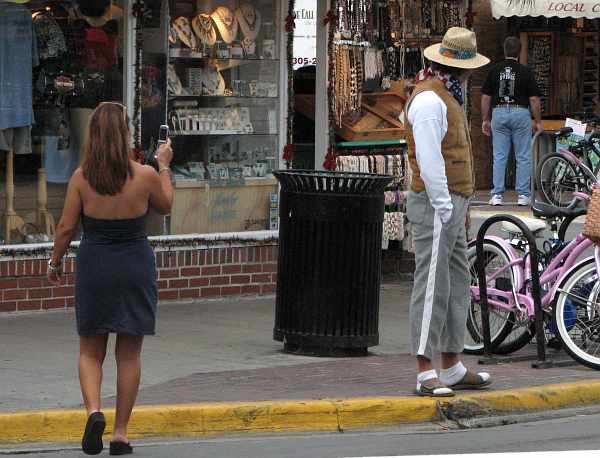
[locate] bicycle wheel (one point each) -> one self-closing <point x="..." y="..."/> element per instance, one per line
<point x="558" y="180"/>
<point x="577" y="314"/>
<point x="501" y="320"/>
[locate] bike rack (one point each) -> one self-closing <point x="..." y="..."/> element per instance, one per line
<point x="488" y="358"/>
<point x="535" y="157"/>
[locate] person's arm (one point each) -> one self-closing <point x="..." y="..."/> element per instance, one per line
<point x="161" y="188"/>
<point x="536" y="110"/>
<point x="67" y="226"/>
<point x="535" y="103"/>
<point x="486" y="109"/>
<point x="486" y="105"/>
<point x="427" y="117"/>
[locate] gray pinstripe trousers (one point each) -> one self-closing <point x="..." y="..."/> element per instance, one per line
<point x="440" y="296"/>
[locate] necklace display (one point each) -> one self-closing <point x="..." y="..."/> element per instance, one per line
<point x="184" y="32"/>
<point x="249" y="47"/>
<point x="356" y="20"/>
<point x="212" y="81"/>
<point x="249" y="20"/>
<point x="348" y="78"/>
<point x="204" y="29"/>
<point x="226" y="23"/>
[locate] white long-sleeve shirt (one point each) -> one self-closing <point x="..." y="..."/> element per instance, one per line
<point x="428" y="116"/>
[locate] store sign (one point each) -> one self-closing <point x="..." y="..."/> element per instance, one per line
<point x="549" y="8"/>
<point x="305" y="34"/>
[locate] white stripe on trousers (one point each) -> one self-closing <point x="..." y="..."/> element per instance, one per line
<point x="429" y="292"/>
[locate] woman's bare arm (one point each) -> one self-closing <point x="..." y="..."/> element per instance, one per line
<point x="161" y="189"/>
<point x="69" y="221"/>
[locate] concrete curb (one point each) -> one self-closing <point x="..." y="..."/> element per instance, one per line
<point x="212" y="419"/>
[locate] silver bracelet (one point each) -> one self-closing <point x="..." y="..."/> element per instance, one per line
<point x="54" y="269"/>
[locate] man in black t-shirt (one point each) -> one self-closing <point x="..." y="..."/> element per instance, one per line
<point x="508" y="93"/>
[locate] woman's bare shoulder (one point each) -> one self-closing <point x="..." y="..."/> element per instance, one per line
<point x="145" y="170"/>
<point x="78" y="177"/>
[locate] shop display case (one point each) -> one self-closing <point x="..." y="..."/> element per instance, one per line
<point x="223" y="108"/>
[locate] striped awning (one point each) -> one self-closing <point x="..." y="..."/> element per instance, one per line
<point x="550" y="8"/>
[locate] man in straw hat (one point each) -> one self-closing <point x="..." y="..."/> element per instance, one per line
<point x="441" y="160"/>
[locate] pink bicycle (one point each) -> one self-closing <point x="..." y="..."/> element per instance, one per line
<point x="569" y="283"/>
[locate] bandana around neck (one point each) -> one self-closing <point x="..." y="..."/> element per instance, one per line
<point x="451" y="82"/>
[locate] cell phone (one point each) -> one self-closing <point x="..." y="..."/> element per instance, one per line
<point x="163" y="134"/>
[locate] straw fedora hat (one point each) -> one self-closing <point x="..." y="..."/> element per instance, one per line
<point x="457" y="49"/>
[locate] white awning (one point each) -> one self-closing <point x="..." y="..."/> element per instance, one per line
<point x="550" y="8"/>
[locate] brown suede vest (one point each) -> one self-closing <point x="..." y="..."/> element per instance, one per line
<point x="456" y="145"/>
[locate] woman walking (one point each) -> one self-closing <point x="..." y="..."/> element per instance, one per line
<point x="115" y="287"/>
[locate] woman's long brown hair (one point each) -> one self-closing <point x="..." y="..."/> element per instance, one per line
<point x="107" y="149"/>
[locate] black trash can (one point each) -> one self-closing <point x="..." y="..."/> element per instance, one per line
<point x="329" y="274"/>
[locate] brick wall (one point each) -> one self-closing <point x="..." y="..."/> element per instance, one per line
<point x="216" y="272"/>
<point x="184" y="274"/>
<point x="490" y="37"/>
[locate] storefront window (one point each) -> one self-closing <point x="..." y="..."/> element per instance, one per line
<point x="222" y="105"/>
<point x="58" y="61"/>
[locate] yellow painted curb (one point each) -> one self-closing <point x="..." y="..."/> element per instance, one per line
<point x="210" y="419"/>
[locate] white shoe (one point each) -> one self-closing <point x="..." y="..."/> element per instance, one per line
<point x="524" y="201"/>
<point x="496" y="200"/>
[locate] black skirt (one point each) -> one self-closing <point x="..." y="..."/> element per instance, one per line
<point x="115" y="285"/>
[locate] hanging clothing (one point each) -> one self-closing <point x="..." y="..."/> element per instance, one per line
<point x="51" y="41"/>
<point x="59" y="162"/>
<point x="16" y="139"/>
<point x="100" y="48"/>
<point x="18" y="56"/>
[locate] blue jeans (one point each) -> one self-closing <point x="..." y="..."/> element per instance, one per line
<point x="512" y="125"/>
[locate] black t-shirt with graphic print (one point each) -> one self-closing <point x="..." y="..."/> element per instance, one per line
<point x="510" y="82"/>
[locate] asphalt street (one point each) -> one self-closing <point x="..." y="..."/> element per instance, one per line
<point x="579" y="432"/>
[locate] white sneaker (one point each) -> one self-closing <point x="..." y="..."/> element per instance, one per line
<point x="496" y="200"/>
<point x="524" y="201"/>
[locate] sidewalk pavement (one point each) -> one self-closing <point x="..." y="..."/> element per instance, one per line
<point x="222" y="352"/>
<point x="213" y="368"/>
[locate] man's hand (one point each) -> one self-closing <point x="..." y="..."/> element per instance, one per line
<point x="536" y="126"/>
<point x="486" y="128"/>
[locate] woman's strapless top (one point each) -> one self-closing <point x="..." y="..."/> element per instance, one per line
<point x="109" y="231"/>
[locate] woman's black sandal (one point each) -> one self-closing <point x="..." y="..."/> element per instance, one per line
<point x="92" y="437"/>
<point x="120" y="448"/>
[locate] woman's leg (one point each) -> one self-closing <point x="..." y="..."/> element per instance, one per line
<point x="127" y="353"/>
<point x="92" y="350"/>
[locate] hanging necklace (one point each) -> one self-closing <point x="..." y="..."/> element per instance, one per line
<point x="249" y="20"/>
<point x="226" y="22"/>
<point x="226" y="17"/>
<point x="249" y="14"/>
<point x="203" y="27"/>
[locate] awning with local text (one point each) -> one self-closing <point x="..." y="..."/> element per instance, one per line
<point x="550" y="8"/>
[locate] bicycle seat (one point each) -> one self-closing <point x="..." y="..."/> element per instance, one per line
<point x="536" y="226"/>
<point x="563" y="132"/>
<point x="542" y="210"/>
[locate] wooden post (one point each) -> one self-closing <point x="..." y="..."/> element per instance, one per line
<point x="43" y="218"/>
<point x="11" y="220"/>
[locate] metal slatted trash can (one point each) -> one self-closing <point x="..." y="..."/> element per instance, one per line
<point x="329" y="274"/>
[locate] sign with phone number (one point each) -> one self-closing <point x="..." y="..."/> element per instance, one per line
<point x="305" y="34"/>
<point x="303" y="61"/>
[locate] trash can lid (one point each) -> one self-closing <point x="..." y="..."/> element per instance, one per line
<point x="332" y="182"/>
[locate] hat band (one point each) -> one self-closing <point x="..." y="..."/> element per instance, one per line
<point x="458" y="54"/>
